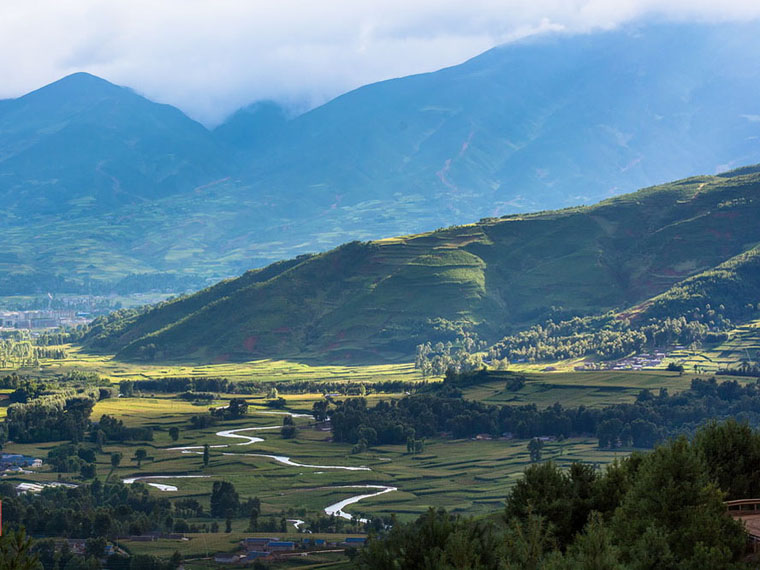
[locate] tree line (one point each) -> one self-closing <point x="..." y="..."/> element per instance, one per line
<point x="643" y="423"/>
<point x="173" y="385"/>
<point x="675" y="318"/>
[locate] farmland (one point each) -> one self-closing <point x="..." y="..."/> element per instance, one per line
<point x="298" y="477"/>
<point x="260" y="370"/>
<point x="471" y="477"/>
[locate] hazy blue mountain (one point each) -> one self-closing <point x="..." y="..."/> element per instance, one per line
<point x="83" y="143"/>
<point x="98" y="182"/>
<point x="254" y="127"/>
<point x="546" y="122"/>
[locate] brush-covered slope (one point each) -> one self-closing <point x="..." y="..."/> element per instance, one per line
<point x="85" y="145"/>
<point x="733" y="288"/>
<point x="376" y="300"/>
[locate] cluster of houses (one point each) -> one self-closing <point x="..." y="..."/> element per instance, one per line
<point x="17" y="463"/>
<point x="256" y="548"/>
<point x="42" y="319"/>
<point x="641" y="361"/>
<point x="79" y="546"/>
<point x="26" y="487"/>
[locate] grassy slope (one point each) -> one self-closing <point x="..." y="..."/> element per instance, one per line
<point x="372" y="301"/>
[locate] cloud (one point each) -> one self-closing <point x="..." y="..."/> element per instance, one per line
<point x="209" y="57"/>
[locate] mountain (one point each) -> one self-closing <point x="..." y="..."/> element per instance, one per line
<point x="375" y="301"/>
<point x="98" y="184"/>
<point x="546" y="122"/>
<point x="254" y="127"/>
<point x="82" y="145"/>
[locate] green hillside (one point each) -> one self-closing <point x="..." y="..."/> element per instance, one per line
<point x="377" y="300"/>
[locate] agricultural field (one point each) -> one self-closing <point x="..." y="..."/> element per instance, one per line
<point x="572" y="389"/>
<point x="299" y="477"/>
<point x="743" y="345"/>
<point x="259" y="370"/>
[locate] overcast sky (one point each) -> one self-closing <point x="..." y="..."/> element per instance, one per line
<point x="209" y="57"/>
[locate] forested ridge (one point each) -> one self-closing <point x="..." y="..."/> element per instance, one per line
<point x="698" y="311"/>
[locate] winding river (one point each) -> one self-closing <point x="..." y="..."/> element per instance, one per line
<point x="334" y="509"/>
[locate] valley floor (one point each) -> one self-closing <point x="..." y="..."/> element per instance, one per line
<point x="466" y="476"/>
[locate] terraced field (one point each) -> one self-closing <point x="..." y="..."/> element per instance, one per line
<point x="743" y="345"/>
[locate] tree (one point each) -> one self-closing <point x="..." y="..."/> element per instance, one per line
<point x="237" y="408"/>
<point x="224" y="499"/>
<point x="673" y="512"/>
<point x="288" y="431"/>
<point x="528" y="541"/>
<point x="319" y="410"/>
<point x="593" y="549"/>
<point x="253" y="522"/>
<point x="174" y="433"/>
<point x="542" y="490"/>
<point x="16" y="552"/>
<point x="87" y="471"/>
<point x="95" y="547"/>
<point x="206" y="455"/>
<point x="534" y="448"/>
<point x="437" y="539"/>
<point x="127" y="388"/>
<point x="140" y="455"/>
<point x="100" y="440"/>
<point x="731" y="452"/>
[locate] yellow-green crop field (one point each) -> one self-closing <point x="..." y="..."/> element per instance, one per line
<point x="256" y="370"/>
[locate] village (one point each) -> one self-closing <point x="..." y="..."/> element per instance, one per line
<point x="42" y="319"/>
<point x="643" y="361"/>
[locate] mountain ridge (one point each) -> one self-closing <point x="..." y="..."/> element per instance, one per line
<point x="83" y="137"/>
<point x="375" y="301"/>
<point x="138" y="187"/>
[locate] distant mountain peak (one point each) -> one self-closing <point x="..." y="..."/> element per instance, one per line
<point x="80" y="85"/>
